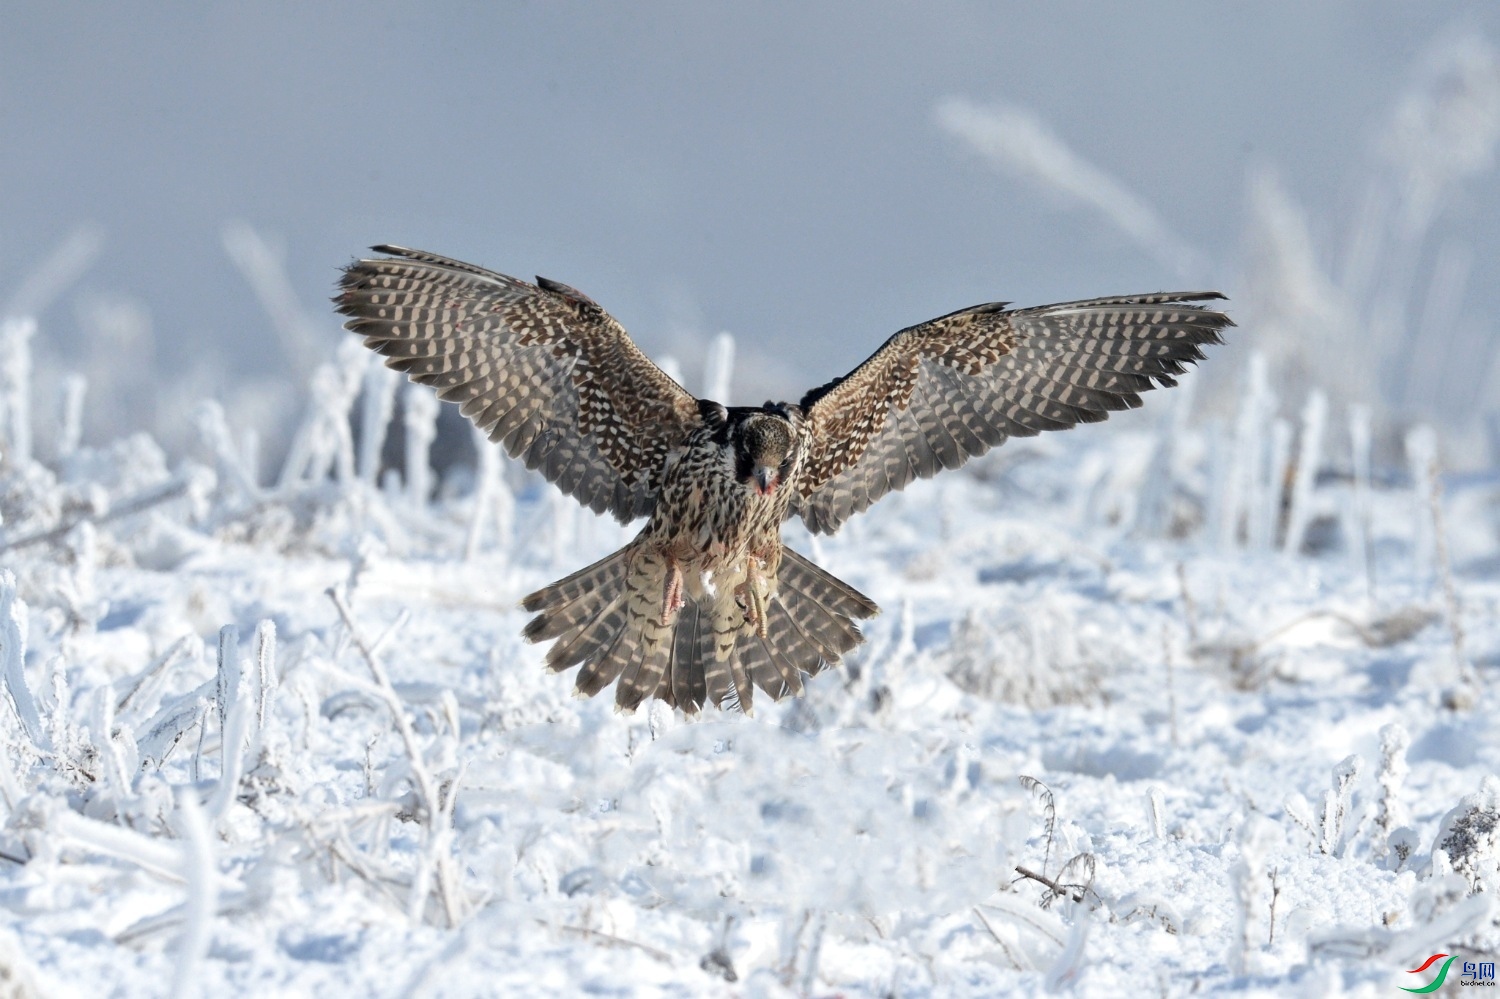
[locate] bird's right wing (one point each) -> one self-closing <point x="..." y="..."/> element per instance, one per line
<point x="541" y="368"/>
<point x="939" y="393"/>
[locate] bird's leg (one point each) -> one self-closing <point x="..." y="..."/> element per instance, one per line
<point x="671" y="597"/>
<point x="751" y="594"/>
<point x="758" y="602"/>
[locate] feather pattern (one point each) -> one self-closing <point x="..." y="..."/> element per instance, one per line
<point x="944" y="391"/>
<point x="706" y="605"/>
<point x="541" y="368"/>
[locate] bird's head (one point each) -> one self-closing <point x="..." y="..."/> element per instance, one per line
<point x="763" y="448"/>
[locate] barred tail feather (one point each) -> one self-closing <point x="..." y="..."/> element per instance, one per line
<point x="645" y="646"/>
<point x="773" y="673"/>
<point x="575" y="598"/>
<point x="685" y="685"/>
<point x="821" y="608"/>
<point x="824" y="588"/>
<point x="606" y="619"/>
<point x="586" y="614"/>
<point x="809" y="626"/>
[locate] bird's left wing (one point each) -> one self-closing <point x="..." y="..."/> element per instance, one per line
<point x="541" y="368"/>
<point x="937" y="394"/>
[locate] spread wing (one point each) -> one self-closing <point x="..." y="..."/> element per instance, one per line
<point x="541" y="368"/>
<point x="937" y="394"/>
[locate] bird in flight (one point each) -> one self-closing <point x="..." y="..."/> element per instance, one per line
<point x="706" y="603"/>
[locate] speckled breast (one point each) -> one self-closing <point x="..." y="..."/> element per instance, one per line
<point x="703" y="514"/>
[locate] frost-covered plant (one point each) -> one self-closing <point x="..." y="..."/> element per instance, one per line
<point x="1249" y="875"/>
<point x="1391" y="835"/>
<point x="494" y="507"/>
<point x="436" y="871"/>
<point x="419" y="414"/>
<point x="15" y="391"/>
<point x="860" y="830"/>
<point x="1329" y="832"/>
<point x="13" y="626"/>
<point x="1304" y="473"/>
<point x="233" y="466"/>
<point x="1337" y="802"/>
<point x="1469" y="837"/>
<point x="1247" y="495"/>
<point x="1043" y="794"/>
<point x="1036" y="659"/>
<point x="378" y="399"/>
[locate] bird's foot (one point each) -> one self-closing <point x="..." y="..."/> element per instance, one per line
<point x="751" y="596"/>
<point x="671" y="599"/>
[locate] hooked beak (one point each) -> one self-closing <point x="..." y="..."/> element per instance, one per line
<point x="766" y="479"/>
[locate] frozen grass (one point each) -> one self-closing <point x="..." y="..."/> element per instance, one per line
<point x="1183" y="706"/>
<point x="1086" y="748"/>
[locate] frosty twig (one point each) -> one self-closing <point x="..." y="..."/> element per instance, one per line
<point x="426" y="786"/>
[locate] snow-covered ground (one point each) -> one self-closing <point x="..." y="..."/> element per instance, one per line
<point x="1108" y="736"/>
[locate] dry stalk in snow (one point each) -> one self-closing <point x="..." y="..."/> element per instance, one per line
<point x="1049" y="808"/>
<point x="1391" y="814"/>
<point x="438" y="812"/>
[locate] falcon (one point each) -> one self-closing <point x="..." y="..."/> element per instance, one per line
<point x="706" y="603"/>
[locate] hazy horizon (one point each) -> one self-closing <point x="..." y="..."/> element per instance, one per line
<point x="809" y="180"/>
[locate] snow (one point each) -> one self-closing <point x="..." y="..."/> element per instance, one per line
<point x="286" y="740"/>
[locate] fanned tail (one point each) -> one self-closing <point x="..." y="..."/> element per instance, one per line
<point x="810" y="625"/>
<point x="607" y="619"/>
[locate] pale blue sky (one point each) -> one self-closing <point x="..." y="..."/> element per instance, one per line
<point x="776" y="170"/>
